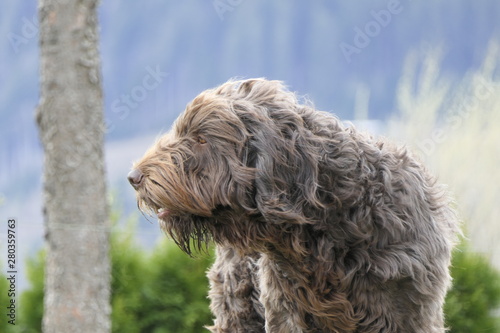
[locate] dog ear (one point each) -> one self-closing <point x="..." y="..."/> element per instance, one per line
<point x="282" y="151"/>
<point x="286" y="169"/>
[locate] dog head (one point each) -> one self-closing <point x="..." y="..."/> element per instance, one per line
<point x="242" y="149"/>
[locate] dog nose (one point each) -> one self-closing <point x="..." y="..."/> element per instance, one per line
<point x="135" y="178"/>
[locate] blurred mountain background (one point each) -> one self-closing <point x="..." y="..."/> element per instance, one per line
<point x="347" y="57"/>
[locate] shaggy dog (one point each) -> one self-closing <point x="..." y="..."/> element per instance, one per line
<point x="318" y="227"/>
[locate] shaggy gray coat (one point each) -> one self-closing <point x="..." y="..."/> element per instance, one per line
<point x="318" y="227"/>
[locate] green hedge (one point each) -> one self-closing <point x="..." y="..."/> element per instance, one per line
<point x="160" y="291"/>
<point x="473" y="302"/>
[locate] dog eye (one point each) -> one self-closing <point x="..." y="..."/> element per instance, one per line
<point x="201" y="141"/>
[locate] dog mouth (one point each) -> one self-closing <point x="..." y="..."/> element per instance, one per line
<point x="163" y="213"/>
<point x="153" y="207"/>
<point x="149" y="207"/>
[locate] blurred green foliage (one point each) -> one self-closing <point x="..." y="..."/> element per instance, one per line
<point x="159" y="291"/>
<point x="475" y="296"/>
<point x="29" y="303"/>
<point x="31" y="300"/>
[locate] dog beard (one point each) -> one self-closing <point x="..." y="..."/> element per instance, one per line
<point x="188" y="232"/>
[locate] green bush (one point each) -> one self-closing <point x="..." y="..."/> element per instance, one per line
<point x="161" y="291"/>
<point x="29" y="304"/>
<point x="129" y="277"/>
<point x="31" y="311"/>
<point x="475" y="296"/>
<point x="177" y="293"/>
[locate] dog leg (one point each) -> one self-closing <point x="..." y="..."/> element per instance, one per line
<point x="234" y="293"/>
<point x="282" y="314"/>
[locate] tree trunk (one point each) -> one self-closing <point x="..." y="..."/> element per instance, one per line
<point x="70" y="119"/>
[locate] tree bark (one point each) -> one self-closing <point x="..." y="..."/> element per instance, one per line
<point x="70" y="119"/>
